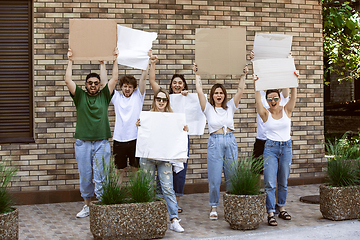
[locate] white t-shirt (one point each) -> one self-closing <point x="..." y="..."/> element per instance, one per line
<point x="127" y="111"/>
<point x="260" y="132"/>
<point x="220" y="118"/>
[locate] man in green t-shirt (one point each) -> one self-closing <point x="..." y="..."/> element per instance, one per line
<point x="92" y="128"/>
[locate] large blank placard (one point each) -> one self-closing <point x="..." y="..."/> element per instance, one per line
<point x="271" y="45"/>
<point x="190" y="105"/>
<point x="220" y="50"/>
<point x="92" y="39"/>
<point x="134" y="46"/>
<point x="161" y="137"/>
<point x="275" y="73"/>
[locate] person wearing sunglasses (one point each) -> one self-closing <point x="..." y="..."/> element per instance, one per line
<point x="161" y="103"/>
<point x="92" y="129"/>
<point x="127" y="105"/>
<point x="278" y="149"/>
<point x="178" y="85"/>
<point x="260" y="140"/>
<point x="222" y="148"/>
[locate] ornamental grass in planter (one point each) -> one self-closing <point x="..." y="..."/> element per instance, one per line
<point x="244" y="204"/>
<point x="131" y="212"/>
<point x="9" y="216"/>
<point x="340" y="196"/>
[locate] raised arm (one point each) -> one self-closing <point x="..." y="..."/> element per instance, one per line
<point x="153" y="59"/>
<point x="115" y="73"/>
<point x="259" y="106"/>
<point x="68" y="74"/>
<point x="199" y="89"/>
<point x="103" y="74"/>
<point x="142" y="82"/>
<point x="241" y="87"/>
<point x="289" y="107"/>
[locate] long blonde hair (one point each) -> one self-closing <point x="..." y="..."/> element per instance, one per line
<point x="167" y="107"/>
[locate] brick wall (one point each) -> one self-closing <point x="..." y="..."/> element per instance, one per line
<point x="49" y="164"/>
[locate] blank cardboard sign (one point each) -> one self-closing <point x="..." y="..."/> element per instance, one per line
<point x="92" y="39"/>
<point x="275" y="73"/>
<point x="220" y="50"/>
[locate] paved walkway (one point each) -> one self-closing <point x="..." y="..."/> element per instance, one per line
<point x="57" y="221"/>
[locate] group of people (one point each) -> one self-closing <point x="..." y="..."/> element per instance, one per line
<point x="93" y="131"/>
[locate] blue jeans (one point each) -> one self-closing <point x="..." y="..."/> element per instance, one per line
<point x="277" y="163"/>
<point x="222" y="153"/>
<point x="89" y="155"/>
<point x="164" y="171"/>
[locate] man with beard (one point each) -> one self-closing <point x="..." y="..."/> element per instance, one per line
<point x="92" y="132"/>
<point x="128" y="106"/>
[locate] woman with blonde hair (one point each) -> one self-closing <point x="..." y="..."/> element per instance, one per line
<point x="161" y="103"/>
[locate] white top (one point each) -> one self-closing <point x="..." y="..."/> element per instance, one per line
<point x="260" y="132"/>
<point x="278" y="130"/>
<point x="220" y="118"/>
<point x="127" y="111"/>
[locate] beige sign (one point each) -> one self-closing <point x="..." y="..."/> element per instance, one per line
<point x="92" y="39"/>
<point x="220" y="50"/>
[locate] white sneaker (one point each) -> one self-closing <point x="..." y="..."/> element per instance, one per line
<point x="84" y="212"/>
<point x="175" y="226"/>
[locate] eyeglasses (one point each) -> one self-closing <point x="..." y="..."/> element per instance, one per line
<point x="274" y="98"/>
<point x="91" y="83"/>
<point x="159" y="99"/>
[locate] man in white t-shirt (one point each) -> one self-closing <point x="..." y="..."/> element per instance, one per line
<point x="128" y="106"/>
<point x="259" y="144"/>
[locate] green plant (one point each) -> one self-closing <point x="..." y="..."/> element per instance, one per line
<point x="342" y="148"/>
<point x="341" y="38"/>
<point x="112" y="193"/>
<point x="141" y="187"/>
<point x="343" y="167"/>
<point x="244" y="176"/>
<point x="6" y="175"/>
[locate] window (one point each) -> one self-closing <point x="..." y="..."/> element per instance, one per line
<point x="16" y="92"/>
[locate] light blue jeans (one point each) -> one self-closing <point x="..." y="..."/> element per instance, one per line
<point x="89" y="155"/>
<point x="164" y="171"/>
<point x="222" y="153"/>
<point x="277" y="163"/>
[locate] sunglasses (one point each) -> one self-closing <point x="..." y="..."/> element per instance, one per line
<point x="274" y="98"/>
<point x="159" y="99"/>
<point x="91" y="83"/>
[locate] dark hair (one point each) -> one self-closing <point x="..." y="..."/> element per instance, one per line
<point x="128" y="79"/>
<point x="212" y="91"/>
<point x="271" y="91"/>
<point x="182" y="78"/>
<point x="90" y="75"/>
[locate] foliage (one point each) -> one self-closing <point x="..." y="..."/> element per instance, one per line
<point x="6" y="175"/>
<point x="341" y="38"/>
<point x="244" y="176"/>
<point x="113" y="193"/>
<point x="343" y="165"/>
<point x="141" y="187"/>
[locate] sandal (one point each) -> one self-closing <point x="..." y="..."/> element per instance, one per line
<point x="213" y="214"/>
<point x="272" y="221"/>
<point x="284" y="215"/>
<point x="180" y="210"/>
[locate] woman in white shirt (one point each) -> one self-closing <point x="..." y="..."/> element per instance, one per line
<point x="278" y="149"/>
<point x="222" y="150"/>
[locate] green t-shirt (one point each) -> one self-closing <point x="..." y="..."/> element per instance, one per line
<point x="92" y="121"/>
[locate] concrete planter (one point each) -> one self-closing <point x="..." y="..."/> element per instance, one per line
<point x="128" y="221"/>
<point x="244" y="212"/>
<point x="9" y="225"/>
<point x="340" y="203"/>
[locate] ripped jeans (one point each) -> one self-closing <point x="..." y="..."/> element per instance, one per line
<point x="166" y="181"/>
